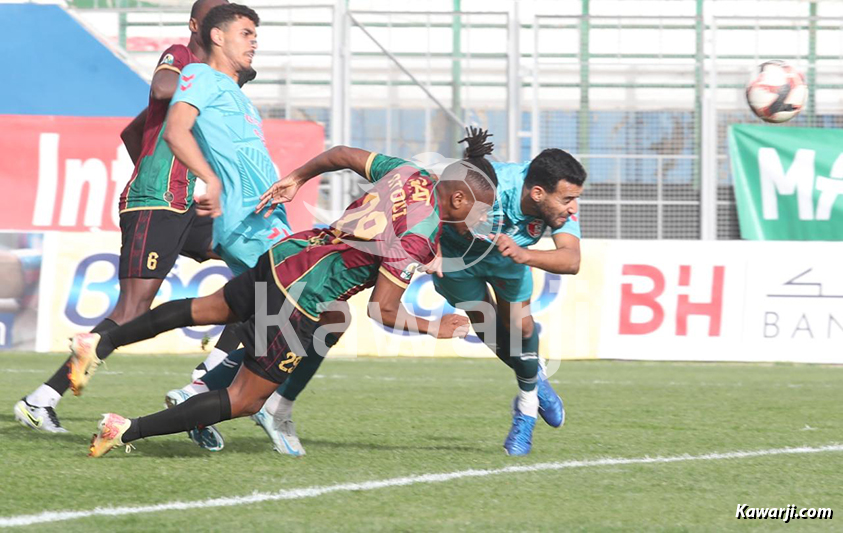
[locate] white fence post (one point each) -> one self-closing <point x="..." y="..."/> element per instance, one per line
<point x="338" y="97"/>
<point x="513" y="85"/>
<point x="708" y="155"/>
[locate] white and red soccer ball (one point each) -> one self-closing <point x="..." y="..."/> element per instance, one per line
<point x="776" y="92"/>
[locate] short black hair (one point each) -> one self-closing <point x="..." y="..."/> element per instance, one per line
<point x="197" y="6"/>
<point x="221" y="16"/>
<point x="551" y="166"/>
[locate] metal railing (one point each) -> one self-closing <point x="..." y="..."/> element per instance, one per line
<point x="646" y="99"/>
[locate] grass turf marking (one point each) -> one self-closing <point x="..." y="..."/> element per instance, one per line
<point x="311" y="492"/>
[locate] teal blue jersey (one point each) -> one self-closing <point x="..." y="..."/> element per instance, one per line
<point x="511" y="281"/>
<point x="228" y="130"/>
<point x="506" y="217"/>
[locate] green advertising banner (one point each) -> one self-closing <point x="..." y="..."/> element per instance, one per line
<point x="788" y="182"/>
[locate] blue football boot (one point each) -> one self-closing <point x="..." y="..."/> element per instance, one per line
<point x="551" y="408"/>
<point x="520" y="438"/>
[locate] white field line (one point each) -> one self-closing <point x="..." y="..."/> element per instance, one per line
<point x="311" y="492"/>
<point x="597" y="382"/>
<point x="554" y="381"/>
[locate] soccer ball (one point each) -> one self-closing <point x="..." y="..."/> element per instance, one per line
<point x="777" y="92"/>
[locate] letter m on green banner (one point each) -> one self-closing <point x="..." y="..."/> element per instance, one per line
<point x="788" y="182"/>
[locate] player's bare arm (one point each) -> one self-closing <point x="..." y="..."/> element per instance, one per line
<point x="163" y="85"/>
<point x="565" y="259"/>
<point x="178" y="136"/>
<point x="435" y="266"/>
<point x="385" y="306"/>
<point x="337" y="158"/>
<point x="132" y="136"/>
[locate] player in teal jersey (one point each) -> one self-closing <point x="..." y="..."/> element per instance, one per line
<point x="214" y="129"/>
<point x="532" y="197"/>
<point x="379" y="242"/>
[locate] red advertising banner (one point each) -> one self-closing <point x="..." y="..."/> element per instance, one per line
<point x="67" y="173"/>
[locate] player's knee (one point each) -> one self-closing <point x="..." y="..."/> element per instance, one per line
<point x="211" y="309"/>
<point x="527" y="327"/>
<point x="243" y="406"/>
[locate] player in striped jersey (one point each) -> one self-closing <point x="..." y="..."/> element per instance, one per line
<point x="381" y="239"/>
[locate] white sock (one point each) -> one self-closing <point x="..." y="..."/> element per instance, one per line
<point x="542" y="367"/>
<point x="44" y="396"/>
<point x="197" y="387"/>
<point x="277" y="405"/>
<point x="214" y="358"/>
<point x="528" y="402"/>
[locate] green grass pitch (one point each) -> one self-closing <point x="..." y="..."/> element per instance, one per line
<point x="375" y="419"/>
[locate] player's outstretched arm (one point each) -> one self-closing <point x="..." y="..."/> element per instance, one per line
<point x="337" y="158"/>
<point x="385" y="307"/>
<point x="178" y="136"/>
<point x="132" y="136"/>
<point x="565" y="259"/>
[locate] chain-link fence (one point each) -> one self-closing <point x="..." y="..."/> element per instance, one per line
<point x="643" y="100"/>
<point x="415" y="77"/>
<point x="621" y="93"/>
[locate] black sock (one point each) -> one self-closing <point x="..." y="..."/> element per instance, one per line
<point x="167" y="316"/>
<point x="59" y="382"/>
<point x="201" y="410"/>
<point x="106" y="325"/>
<point x="228" y="341"/>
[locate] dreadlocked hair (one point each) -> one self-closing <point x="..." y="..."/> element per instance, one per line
<point x="474" y="168"/>
<point x="476" y="145"/>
